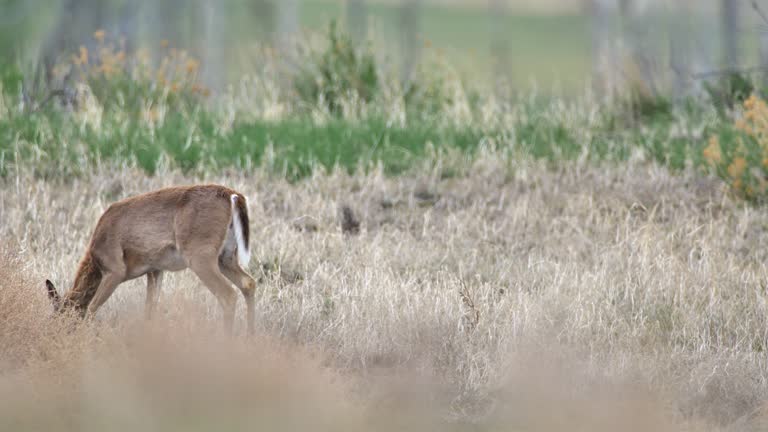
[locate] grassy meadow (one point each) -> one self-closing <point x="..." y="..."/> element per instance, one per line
<point x="514" y="297"/>
<point x="524" y="263"/>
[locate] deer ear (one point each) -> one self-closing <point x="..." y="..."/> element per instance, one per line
<point x="52" y="293"/>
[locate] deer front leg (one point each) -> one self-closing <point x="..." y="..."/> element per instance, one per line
<point x="154" y="281"/>
<point x="109" y="282"/>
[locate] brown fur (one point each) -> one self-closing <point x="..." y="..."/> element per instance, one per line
<point x="87" y="279"/>
<point x="165" y="230"/>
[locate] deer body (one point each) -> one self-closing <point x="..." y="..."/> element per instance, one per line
<point x="203" y="228"/>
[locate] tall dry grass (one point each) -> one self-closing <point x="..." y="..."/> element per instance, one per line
<point x="513" y="298"/>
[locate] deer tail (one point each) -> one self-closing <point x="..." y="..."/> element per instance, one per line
<point x="242" y="232"/>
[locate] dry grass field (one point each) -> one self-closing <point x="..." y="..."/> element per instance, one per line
<point x="514" y="297"/>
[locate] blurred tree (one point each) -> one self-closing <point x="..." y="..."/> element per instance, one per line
<point x="263" y="13"/>
<point x="680" y="49"/>
<point x="22" y="23"/>
<point x="76" y="21"/>
<point x="499" y="43"/>
<point x="604" y="58"/>
<point x="287" y="23"/>
<point x="213" y="46"/>
<point x="729" y="13"/>
<point x="180" y="24"/>
<point x="125" y="22"/>
<point x="763" y="45"/>
<point x="410" y="45"/>
<point x="357" y="20"/>
<point x="762" y="42"/>
<point x="640" y="69"/>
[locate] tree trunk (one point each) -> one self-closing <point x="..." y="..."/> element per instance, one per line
<point x="729" y="14"/>
<point x="410" y="46"/>
<point x="763" y="41"/>
<point x="163" y="24"/>
<point x="357" y="20"/>
<point x="287" y="24"/>
<point x="681" y="51"/>
<point x="212" y="47"/>
<point x="126" y="23"/>
<point x="75" y="24"/>
<point x="499" y="44"/>
<point x="641" y="72"/>
<point x="604" y="58"/>
<point x="263" y="14"/>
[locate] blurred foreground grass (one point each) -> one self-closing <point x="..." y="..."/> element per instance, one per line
<point x="587" y="298"/>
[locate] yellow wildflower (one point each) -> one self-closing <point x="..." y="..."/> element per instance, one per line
<point x="737" y="167"/>
<point x="712" y="152"/>
<point x="99" y="35"/>
<point x="200" y="90"/>
<point x="751" y="101"/>
<point x="192" y="66"/>
<point x="83" y="58"/>
<point x="740" y="124"/>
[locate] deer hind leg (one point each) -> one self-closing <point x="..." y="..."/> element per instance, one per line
<point x="154" y="281"/>
<point x="231" y="269"/>
<point x="207" y="269"/>
<point x="201" y="229"/>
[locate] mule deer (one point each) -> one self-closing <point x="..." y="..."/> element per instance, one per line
<point x="203" y="228"/>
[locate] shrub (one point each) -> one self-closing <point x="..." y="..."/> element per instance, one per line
<point x="639" y="104"/>
<point x="427" y="94"/>
<point x="740" y="154"/>
<point x="11" y="79"/>
<point x="128" y="80"/>
<point x="729" y="91"/>
<point x="340" y="71"/>
<point x="644" y="107"/>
